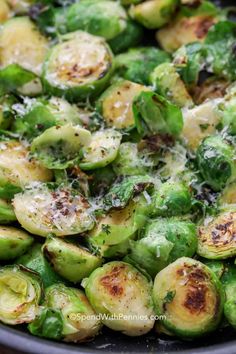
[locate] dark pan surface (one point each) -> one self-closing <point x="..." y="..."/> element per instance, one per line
<point x="221" y="342"/>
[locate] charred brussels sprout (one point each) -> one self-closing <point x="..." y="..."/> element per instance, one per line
<point x="162" y="242"/>
<point x="172" y="199"/>
<point x="79" y="319"/>
<point x="190" y="298"/>
<point x="102" y="18"/>
<point x="216" y="237"/>
<point x="115" y="104"/>
<point x="13" y="242"/>
<point x="137" y="64"/>
<point x="58" y="147"/>
<point x="154" y="13"/>
<point x="71" y="261"/>
<point x="216" y="162"/>
<point x="154" y="114"/>
<point x="20" y="293"/>
<point x="118" y="289"/>
<point x="102" y="149"/>
<point x="86" y="73"/>
<point x="43" y="209"/>
<point x="7" y="214"/>
<point x="167" y="82"/>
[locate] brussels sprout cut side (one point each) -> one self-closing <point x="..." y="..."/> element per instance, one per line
<point x="119" y="289"/>
<point x="86" y="73"/>
<point x="190" y="297"/>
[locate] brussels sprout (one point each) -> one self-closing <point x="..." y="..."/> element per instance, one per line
<point x="172" y="199"/>
<point x="80" y="322"/>
<point x="7" y="214"/>
<point x="17" y="169"/>
<point x="86" y="73"/>
<point x="228" y="195"/>
<point x="154" y="114"/>
<point x="122" y="192"/>
<point x="113" y="232"/>
<point x="4" y="11"/>
<point x="130" y="37"/>
<point x="137" y="64"/>
<point x="47" y="324"/>
<point x="154" y="14"/>
<point x="35" y="116"/>
<point x="163" y="241"/>
<point x="101" y="18"/>
<point x="200" y="122"/>
<point x="216" y="162"/>
<point x="217" y="267"/>
<point x="13" y="242"/>
<point x="216" y="237"/>
<point x="167" y="82"/>
<point x="190" y="25"/>
<point x="43" y="209"/>
<point x="119" y="289"/>
<point x="20" y="293"/>
<point x="34" y="260"/>
<point x="189" y="297"/>
<point x="115" y="104"/>
<point x="102" y="149"/>
<point x="71" y="261"/>
<point x="58" y="146"/>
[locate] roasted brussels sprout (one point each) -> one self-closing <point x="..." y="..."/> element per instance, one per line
<point x="102" y="18"/>
<point x="115" y="104"/>
<point x="59" y="146"/>
<point x="7" y="214"/>
<point x="102" y="149"/>
<point x="70" y="260"/>
<point x="190" y="298"/>
<point x="113" y="232"/>
<point x="34" y="260"/>
<point x="20" y="293"/>
<point x="172" y="199"/>
<point x="154" y="13"/>
<point x="115" y="290"/>
<point x="216" y="237"/>
<point x="137" y="64"/>
<point x="13" y="242"/>
<point x="86" y="73"/>
<point x="42" y="209"/>
<point x="17" y="168"/>
<point x="167" y="82"/>
<point x="80" y="322"/>
<point x="216" y="162"/>
<point x="154" y="114"/>
<point x="162" y="242"/>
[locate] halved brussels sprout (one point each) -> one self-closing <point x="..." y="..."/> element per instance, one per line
<point x="113" y="232"/>
<point x="216" y="162"/>
<point x="172" y="199"/>
<point x="102" y="149"/>
<point x="153" y="14"/>
<point x="58" y="146"/>
<point x="102" y="18"/>
<point x="216" y="238"/>
<point x="200" y="122"/>
<point x="87" y="71"/>
<point x="167" y="82"/>
<point x="115" y="104"/>
<point x="189" y="297"/>
<point x="20" y="293"/>
<point x="119" y="289"/>
<point x="13" y="242"/>
<point x="42" y="209"/>
<point x="71" y="261"/>
<point x="137" y="64"/>
<point x="80" y="322"/>
<point x="17" y="168"/>
<point x="162" y="242"/>
<point x="34" y="259"/>
<point x="154" y="114"/>
<point x="5" y="12"/>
